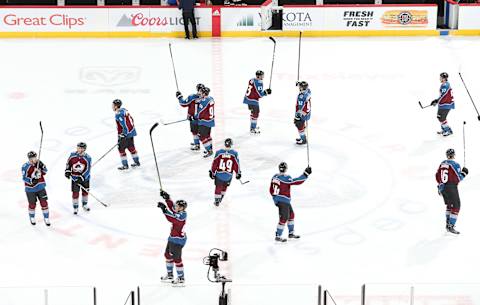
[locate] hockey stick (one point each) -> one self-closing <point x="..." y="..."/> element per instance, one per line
<point x="155" y="156"/>
<point x="104" y="155"/>
<point x="174" y="122"/>
<point x="464" y="149"/>
<point x="242" y="183"/>
<point x="173" y="65"/>
<point x="423" y="107"/>
<point x="273" y="59"/>
<point x="94" y="197"/>
<point x="299" y="52"/>
<point x="308" y="143"/>
<point x="471" y="99"/>
<point x="41" y="143"/>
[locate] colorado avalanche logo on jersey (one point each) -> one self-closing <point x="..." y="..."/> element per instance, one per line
<point x="78" y="167"/>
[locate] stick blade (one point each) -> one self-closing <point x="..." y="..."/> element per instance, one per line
<point x="420" y="103"/>
<point x="41" y="127"/>
<point x="153" y="127"/>
<point x="478" y="117"/>
<point x="272" y="39"/>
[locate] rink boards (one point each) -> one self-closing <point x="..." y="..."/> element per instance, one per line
<point x="216" y="21"/>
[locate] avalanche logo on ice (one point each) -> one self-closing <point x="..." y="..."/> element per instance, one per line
<point x="109" y="76"/>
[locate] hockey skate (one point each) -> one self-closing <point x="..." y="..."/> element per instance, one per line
<point x="280" y="239"/>
<point x="47" y="221"/>
<point x="255" y="130"/>
<point x="301" y="142"/>
<point x="179" y="282"/>
<point x="194" y="147"/>
<point x="451" y="229"/>
<point x="207" y="153"/>
<point x="86" y="208"/>
<point x="32" y="221"/>
<point x="293" y="236"/>
<point x="447" y="132"/>
<point x="75" y="211"/>
<point x="123" y="167"/>
<point x="217" y="202"/>
<point x="136" y="164"/>
<point x="167" y="278"/>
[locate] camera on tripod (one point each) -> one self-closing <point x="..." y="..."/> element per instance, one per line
<point x="211" y="260"/>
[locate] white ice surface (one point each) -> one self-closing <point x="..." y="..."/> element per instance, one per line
<point x="369" y="212"/>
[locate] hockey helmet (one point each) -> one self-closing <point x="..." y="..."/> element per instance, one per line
<point x="117" y="102"/>
<point x="181" y="203"/>
<point x="444" y="75"/>
<point x="31" y="154"/>
<point x="200" y="86"/>
<point x="282" y="167"/>
<point x="259" y="73"/>
<point x="303" y="85"/>
<point x="82" y="145"/>
<point x="205" y="91"/>
<point x="450" y="153"/>
<point x="228" y="142"/>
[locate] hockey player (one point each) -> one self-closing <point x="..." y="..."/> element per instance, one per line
<point x="445" y="104"/>
<point x="205" y="115"/>
<point x="224" y="164"/>
<point x="78" y="170"/>
<point x="448" y="176"/>
<point x="126" y="133"/>
<point x="190" y="102"/>
<point x="177" y="216"/>
<point x="302" y="111"/>
<point x="280" y="191"/>
<point x="254" y="93"/>
<point x="33" y="173"/>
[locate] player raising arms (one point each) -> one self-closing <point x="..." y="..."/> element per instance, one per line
<point x="252" y="96"/>
<point x="78" y="170"/>
<point x="126" y="132"/>
<point x="302" y="111"/>
<point x="445" y="104"/>
<point x="177" y="216"/>
<point x="224" y="164"/>
<point x="206" y="119"/>
<point x="448" y="176"/>
<point x="280" y="191"/>
<point x="33" y="173"/>
<point x="190" y="102"/>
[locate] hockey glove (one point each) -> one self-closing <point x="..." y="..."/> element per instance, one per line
<point x="164" y="195"/>
<point x="68" y="173"/>
<point x="298" y="117"/>
<point x="41" y="166"/>
<point x="268" y="91"/>
<point x="307" y="171"/>
<point x="34" y="181"/>
<point x="238" y="176"/>
<point x="80" y="178"/>
<point x="434" y="102"/>
<point x="464" y="171"/>
<point x="297" y="83"/>
<point x="210" y="173"/>
<point x="162" y="206"/>
<point x="190" y="118"/>
<point x="120" y="137"/>
<point x="440" y="187"/>
<point x="179" y="95"/>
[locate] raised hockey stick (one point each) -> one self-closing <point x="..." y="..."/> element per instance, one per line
<point x="174" y="122"/>
<point x="103" y="156"/>
<point x="471" y="99"/>
<point x="273" y="60"/>
<point x="464" y="149"/>
<point x="423" y="107"/>
<point x="173" y="65"/>
<point x="155" y="156"/>
<point x="41" y="143"/>
<point x="299" y="52"/>
<point x="94" y="197"/>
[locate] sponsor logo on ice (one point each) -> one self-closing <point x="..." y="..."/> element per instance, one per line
<point x="109" y="76"/>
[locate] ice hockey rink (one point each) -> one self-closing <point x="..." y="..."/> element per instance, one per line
<point x="369" y="213"/>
